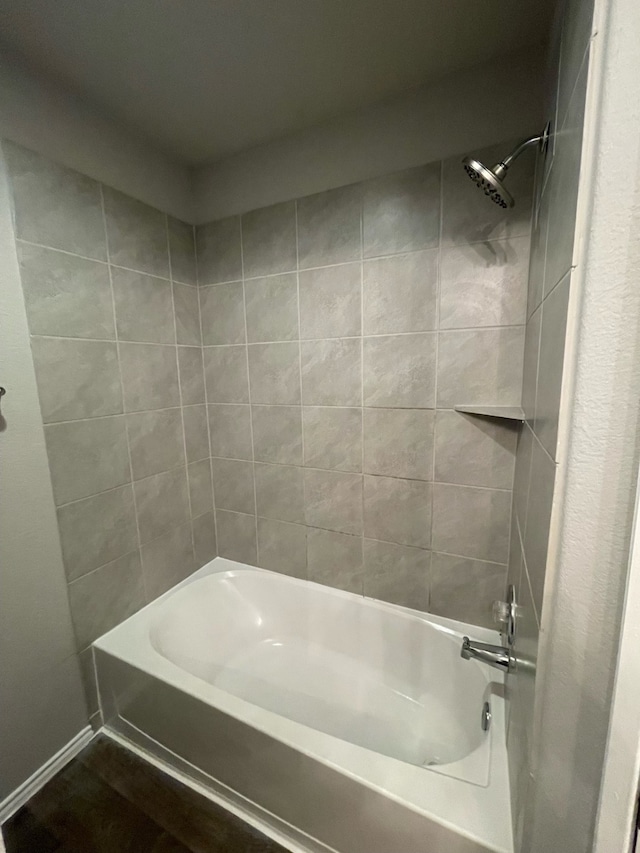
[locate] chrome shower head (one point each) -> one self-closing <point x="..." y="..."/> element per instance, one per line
<point x="491" y="181"/>
<point x="488" y="181"/>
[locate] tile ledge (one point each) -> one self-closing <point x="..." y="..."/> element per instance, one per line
<point x="511" y="413"/>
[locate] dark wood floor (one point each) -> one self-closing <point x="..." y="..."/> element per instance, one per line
<point x="108" y="800"/>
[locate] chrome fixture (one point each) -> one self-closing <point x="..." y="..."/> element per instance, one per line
<point x="499" y="657"/>
<point x="491" y="181"/>
<point x="485" y="719"/>
<point x="504" y="613"/>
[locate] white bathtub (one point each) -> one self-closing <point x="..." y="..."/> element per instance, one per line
<point x="344" y="723"/>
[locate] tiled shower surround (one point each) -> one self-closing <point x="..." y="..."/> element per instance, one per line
<point x="339" y="332"/>
<point x="112" y="305"/>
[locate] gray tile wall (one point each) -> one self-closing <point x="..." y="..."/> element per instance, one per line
<point x="537" y="457"/>
<point x="339" y="331"/>
<point x="113" y="308"/>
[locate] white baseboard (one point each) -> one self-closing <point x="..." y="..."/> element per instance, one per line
<point x="23" y="794"/>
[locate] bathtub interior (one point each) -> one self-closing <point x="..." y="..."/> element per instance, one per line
<point x="358" y="673"/>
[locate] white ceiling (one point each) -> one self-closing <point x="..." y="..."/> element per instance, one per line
<point x="206" y="78"/>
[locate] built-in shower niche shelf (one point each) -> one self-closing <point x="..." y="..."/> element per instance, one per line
<point x="509" y="413"/>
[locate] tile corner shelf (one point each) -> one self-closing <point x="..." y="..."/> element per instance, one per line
<point x="510" y="413"/>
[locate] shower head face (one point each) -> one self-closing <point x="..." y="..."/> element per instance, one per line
<point x="488" y="182"/>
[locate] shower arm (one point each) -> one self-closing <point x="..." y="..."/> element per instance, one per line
<point x="501" y="168"/>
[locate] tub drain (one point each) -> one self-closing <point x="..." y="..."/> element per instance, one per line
<point x="485" y="719"/>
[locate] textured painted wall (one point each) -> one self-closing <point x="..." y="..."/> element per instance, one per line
<point x="537" y="458"/>
<point x="458" y="113"/>
<point x="339" y="332"/>
<point x="112" y="305"/>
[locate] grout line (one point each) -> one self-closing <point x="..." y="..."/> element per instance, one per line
<point x="362" y="436"/>
<point x="304" y="493"/>
<point x="371" y="538"/>
<point x="184" y="435"/>
<point x="437" y="358"/>
<point x="246" y="349"/>
<point x="434" y="331"/>
<point x="206" y="395"/>
<point x="130" y="414"/>
<point x="365" y="259"/>
<point x="103" y="566"/>
<point x="107" y="262"/>
<point x="126" y="428"/>
<point x="110" y="340"/>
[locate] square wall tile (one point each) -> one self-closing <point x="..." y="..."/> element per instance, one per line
<point x="484" y="284"/>
<point x="530" y="364"/>
<point x="76" y="378"/>
<point x="329" y="227"/>
<point x="551" y="362"/>
<point x="55" y="206"/>
<point x="563" y="185"/>
<point x="230" y="431"/>
<point x="87" y="457"/>
<point x="272" y="308"/>
<point x="465" y="589"/>
<point x="219" y="251"/>
<point x="97" y="530"/>
<point x="200" y="488"/>
<point x="522" y="475"/>
<point x="191" y="372"/>
<point x="400" y="371"/>
<point x="330" y="300"/>
<point x="399" y="443"/>
<point x="167" y="560"/>
<point x="156" y="441"/>
<point x="331" y="372"/>
<point x="333" y="500"/>
<point x="283" y="547"/>
<point x="182" y="251"/>
<point x="65" y="295"/>
<point x="400" y="293"/>
<point x="144" y="307"/>
<point x="102" y="599"/>
<point x="149" y="376"/>
<point x="222" y="309"/>
<point x="237" y="537"/>
<point x="469" y="217"/>
<point x="187" y="311"/>
<point x="196" y="437"/>
<point x="401" y="212"/>
<point x="87" y="673"/>
<point x="538" y="247"/>
<point x="277" y="434"/>
<point x="225" y="373"/>
<point x="397" y="511"/>
<point x="274" y="374"/>
<point x="332" y="438"/>
<point x="162" y="501"/>
<point x="481" y="367"/>
<point x="279" y="492"/>
<point x="536" y="534"/>
<point x="269" y="239"/>
<point x="397" y="574"/>
<point x="205" y="547"/>
<point x="475" y="451"/>
<point x="471" y="522"/>
<point x="335" y="559"/>
<point x="137" y="234"/>
<point x="233" y="485"/>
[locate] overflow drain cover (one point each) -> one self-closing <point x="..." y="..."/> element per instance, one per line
<point x="485" y="720"/>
